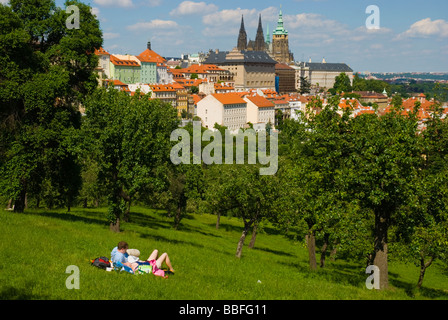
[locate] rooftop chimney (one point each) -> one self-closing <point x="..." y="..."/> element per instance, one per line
<point x="149" y="45"/>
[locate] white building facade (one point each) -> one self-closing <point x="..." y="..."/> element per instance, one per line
<point x="227" y="110"/>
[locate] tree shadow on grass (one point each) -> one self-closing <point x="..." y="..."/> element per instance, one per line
<point x="71" y="216"/>
<point x="411" y="289"/>
<point x="172" y="241"/>
<point x="277" y="252"/>
<point x="227" y="227"/>
<point x="146" y="220"/>
<point x="13" y="293"/>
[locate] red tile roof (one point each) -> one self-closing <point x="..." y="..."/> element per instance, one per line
<point x="151" y="56"/>
<point x="120" y="62"/>
<point x="228" y="98"/>
<point x="101" y="51"/>
<point x="201" y="69"/>
<point x="260" y="101"/>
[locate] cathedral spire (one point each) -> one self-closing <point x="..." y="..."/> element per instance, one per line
<point x="260" y="44"/>
<point x="242" y="37"/>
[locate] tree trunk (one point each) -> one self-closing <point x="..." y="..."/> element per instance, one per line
<point x="323" y="251"/>
<point x="19" y="202"/>
<point x="423" y="267"/>
<point x="239" y="248"/>
<point x="115" y="226"/>
<point x="333" y="252"/>
<point x="380" y="253"/>
<point x="127" y="213"/>
<point x="254" y="236"/>
<point x="177" y="217"/>
<point x="218" y="220"/>
<point x="311" y="245"/>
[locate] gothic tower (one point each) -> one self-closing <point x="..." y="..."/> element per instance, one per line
<point x="280" y="42"/>
<point x="242" y="38"/>
<point x="260" y="44"/>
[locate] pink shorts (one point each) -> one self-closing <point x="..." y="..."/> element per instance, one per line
<point x="155" y="270"/>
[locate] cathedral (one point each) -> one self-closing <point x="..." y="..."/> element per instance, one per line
<point x="278" y="49"/>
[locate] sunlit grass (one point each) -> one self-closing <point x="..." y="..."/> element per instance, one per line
<point x="37" y="247"/>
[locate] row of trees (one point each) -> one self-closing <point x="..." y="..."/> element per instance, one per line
<point x="430" y="89"/>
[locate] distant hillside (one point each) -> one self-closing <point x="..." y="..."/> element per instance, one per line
<point x="412" y="76"/>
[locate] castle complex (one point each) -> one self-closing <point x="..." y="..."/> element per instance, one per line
<point x="278" y="48"/>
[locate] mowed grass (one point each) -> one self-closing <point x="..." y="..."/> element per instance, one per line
<point x="37" y="246"/>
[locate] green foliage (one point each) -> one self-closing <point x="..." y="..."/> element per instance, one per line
<point x="378" y="86"/>
<point x="342" y="84"/>
<point x="46" y="70"/>
<point x="129" y="138"/>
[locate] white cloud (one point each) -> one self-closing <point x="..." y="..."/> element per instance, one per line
<point x="191" y="7"/>
<point x="227" y="22"/>
<point x="95" y="11"/>
<point x="224" y="18"/>
<point x="314" y="23"/>
<point x="426" y="28"/>
<point x="4" y="1"/>
<point x="154" y="24"/>
<point x="110" y="35"/>
<point x="114" y="3"/>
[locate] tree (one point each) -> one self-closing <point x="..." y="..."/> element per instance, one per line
<point x="313" y="174"/>
<point x="130" y="138"/>
<point x="342" y="84"/>
<point x="46" y="70"/>
<point x="248" y="195"/>
<point x="194" y="90"/>
<point x="186" y="183"/>
<point x="423" y="232"/>
<point x="305" y="85"/>
<point x="381" y="174"/>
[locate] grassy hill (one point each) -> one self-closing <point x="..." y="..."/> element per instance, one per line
<point x="39" y="245"/>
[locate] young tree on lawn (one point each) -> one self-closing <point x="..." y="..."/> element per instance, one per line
<point x="130" y="138"/>
<point x="250" y="194"/>
<point x="186" y="182"/>
<point x="382" y="171"/>
<point x="314" y="174"/>
<point x="215" y="199"/>
<point x="423" y="231"/>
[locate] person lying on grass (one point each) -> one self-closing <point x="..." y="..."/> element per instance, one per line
<point x="129" y="258"/>
<point x="156" y="262"/>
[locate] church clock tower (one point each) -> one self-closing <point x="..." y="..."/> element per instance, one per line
<point x="280" y="42"/>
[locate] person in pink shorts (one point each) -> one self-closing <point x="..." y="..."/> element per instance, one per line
<point x="156" y="262"/>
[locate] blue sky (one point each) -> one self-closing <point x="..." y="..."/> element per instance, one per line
<point x="413" y="35"/>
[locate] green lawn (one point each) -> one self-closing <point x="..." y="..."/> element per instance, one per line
<point x="36" y="247"/>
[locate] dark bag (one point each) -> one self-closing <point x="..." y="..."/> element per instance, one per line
<point x="101" y="262"/>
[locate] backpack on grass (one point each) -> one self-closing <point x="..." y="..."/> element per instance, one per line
<point x="101" y="262"/>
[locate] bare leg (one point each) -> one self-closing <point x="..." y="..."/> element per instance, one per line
<point x="162" y="258"/>
<point x="153" y="255"/>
